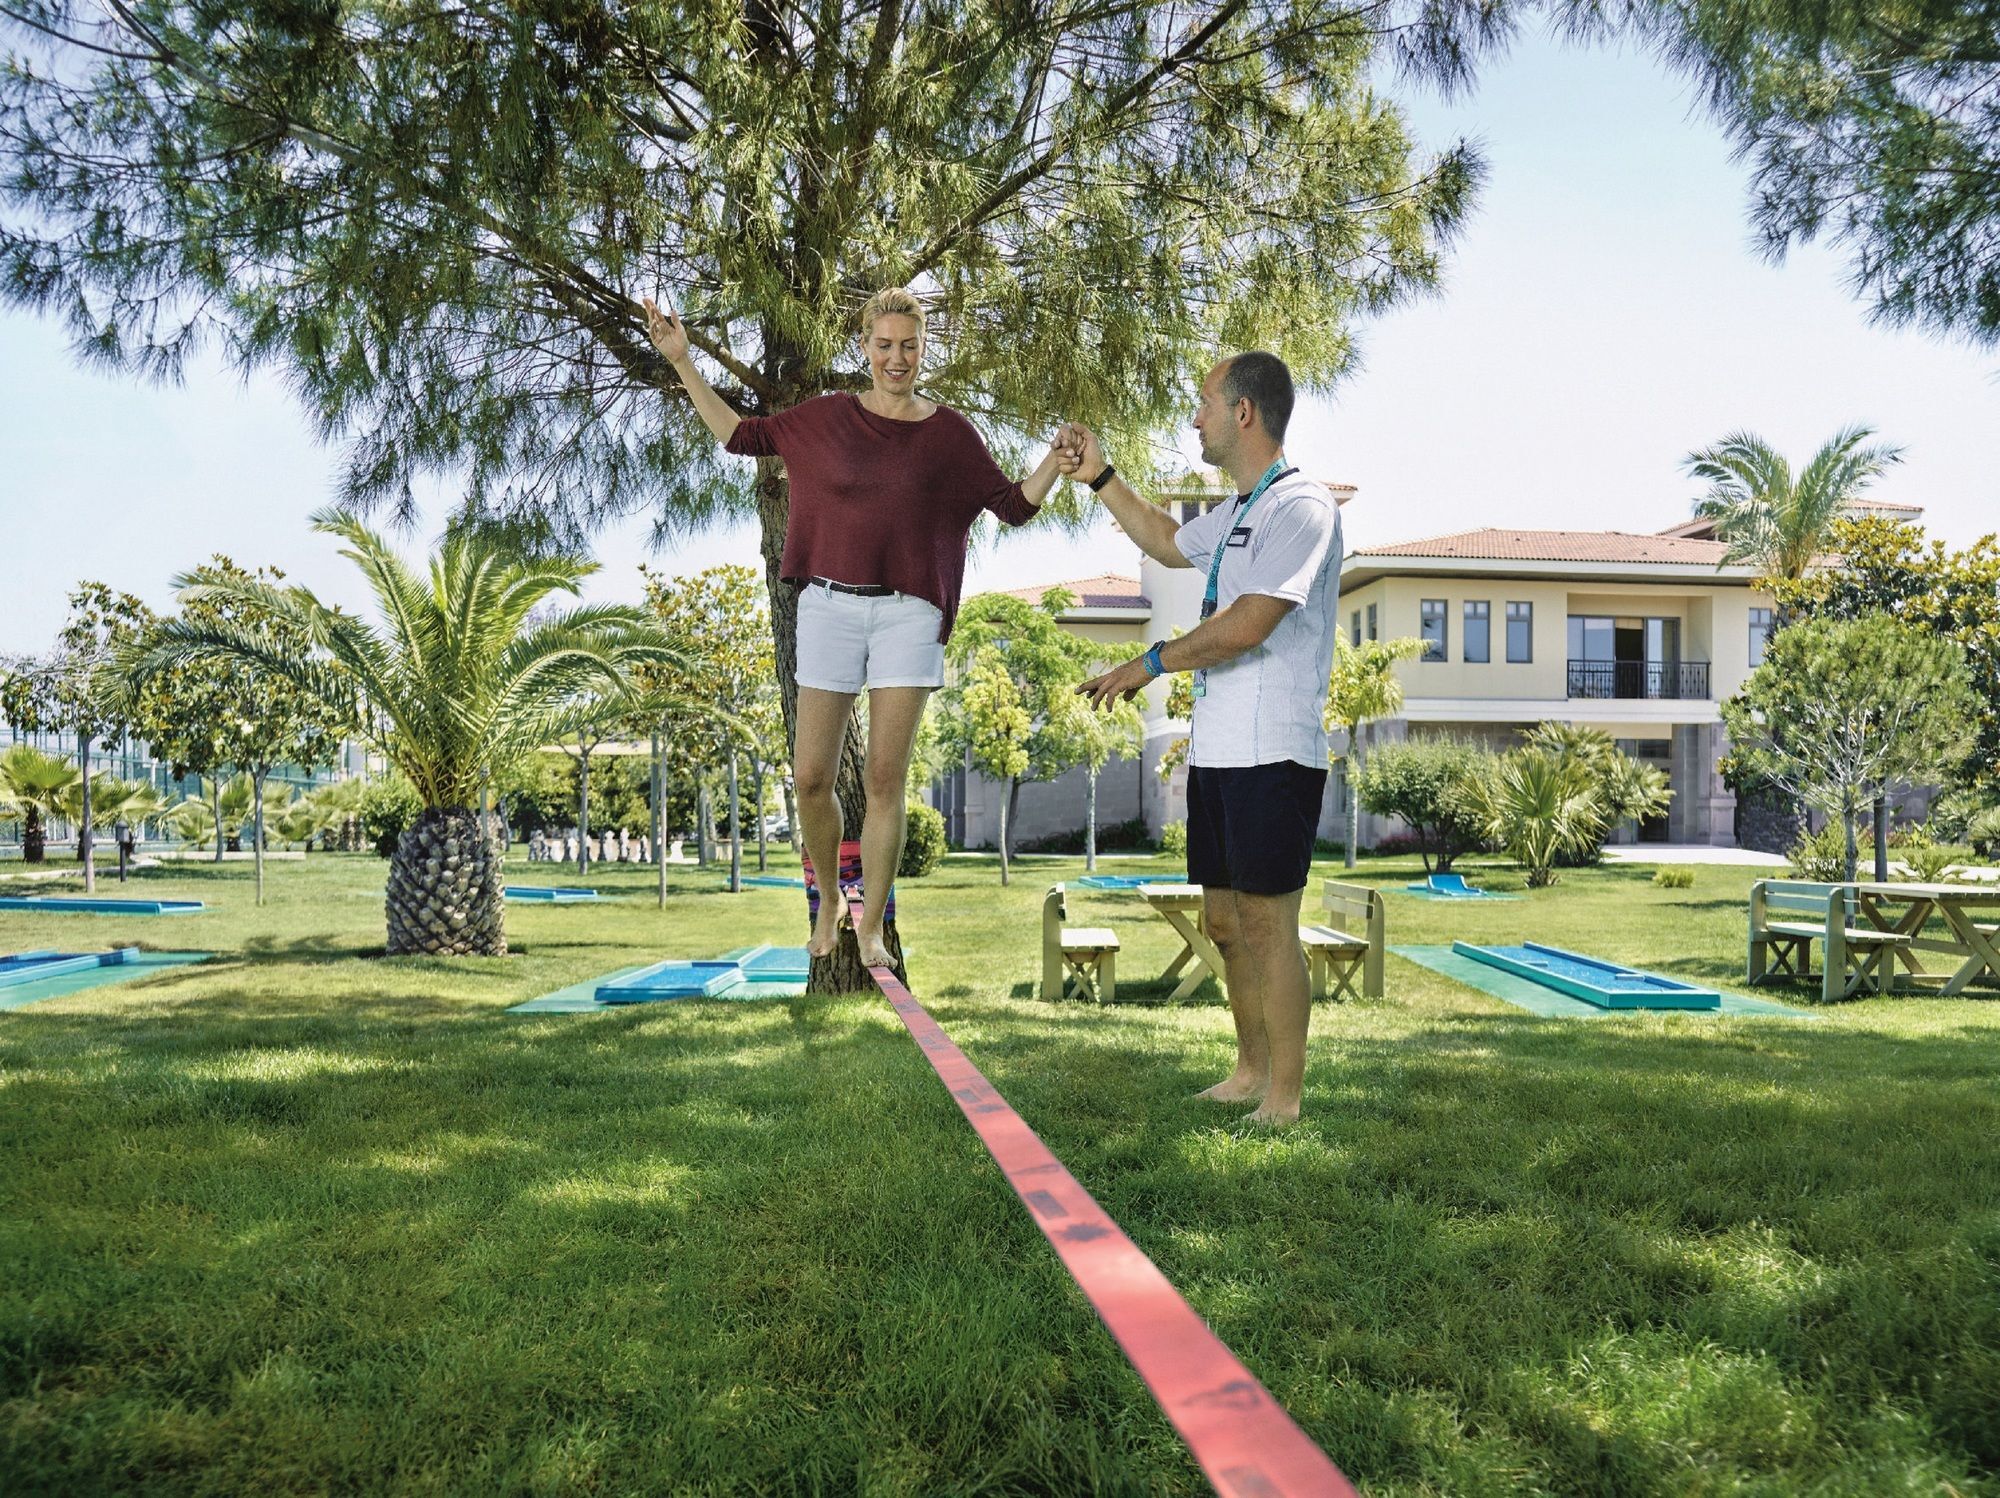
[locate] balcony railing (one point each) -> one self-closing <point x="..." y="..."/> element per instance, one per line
<point x="1671" y="680"/>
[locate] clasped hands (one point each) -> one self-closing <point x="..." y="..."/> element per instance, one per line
<point x="1079" y="456"/>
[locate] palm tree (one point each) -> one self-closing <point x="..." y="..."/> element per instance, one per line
<point x="1364" y="688"/>
<point x="35" y="784"/>
<point x="461" y="677"/>
<point x="1541" y="808"/>
<point x="1766" y="517"/>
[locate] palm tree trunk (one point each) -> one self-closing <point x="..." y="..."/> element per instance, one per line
<point x="735" y="829"/>
<point x="445" y="893"/>
<point x="83" y="849"/>
<point x="34" y="838"/>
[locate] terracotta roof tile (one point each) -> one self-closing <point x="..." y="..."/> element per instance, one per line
<point x="1491" y="544"/>
<point x="1108" y="590"/>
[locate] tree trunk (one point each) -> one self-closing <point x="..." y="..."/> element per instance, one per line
<point x="735" y="829"/>
<point x="1882" y="838"/>
<point x="257" y="826"/>
<point x="1006" y="805"/>
<point x="582" y="807"/>
<point x="659" y="820"/>
<point x="1848" y="814"/>
<point x="34" y="838"/>
<point x="841" y="972"/>
<point x="701" y="826"/>
<point x="445" y="892"/>
<point x="215" y="786"/>
<point x="83" y="849"/>
<point x="1353" y="778"/>
<point x="1090" y="827"/>
<point x="797" y="839"/>
<point x="757" y="779"/>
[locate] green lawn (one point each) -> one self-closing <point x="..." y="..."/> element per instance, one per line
<point x="311" y="1219"/>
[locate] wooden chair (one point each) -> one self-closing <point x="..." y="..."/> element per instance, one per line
<point x="1854" y="959"/>
<point x="1334" y="954"/>
<point x="1077" y="961"/>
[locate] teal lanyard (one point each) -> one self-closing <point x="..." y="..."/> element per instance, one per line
<point x="1271" y="476"/>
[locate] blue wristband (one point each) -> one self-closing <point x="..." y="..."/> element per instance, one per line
<point x="1152" y="660"/>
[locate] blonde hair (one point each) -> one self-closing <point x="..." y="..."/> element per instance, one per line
<point x="891" y="301"/>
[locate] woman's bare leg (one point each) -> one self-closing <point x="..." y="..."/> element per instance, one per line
<point x="894" y="714"/>
<point x="822" y="726"/>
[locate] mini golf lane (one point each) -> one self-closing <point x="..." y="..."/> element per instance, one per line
<point x="1605" y="984"/>
<point x="27" y="977"/>
<point x="1538" y="997"/>
<point x="91" y="905"/>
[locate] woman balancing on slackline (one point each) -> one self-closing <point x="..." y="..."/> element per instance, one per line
<point x="885" y="487"/>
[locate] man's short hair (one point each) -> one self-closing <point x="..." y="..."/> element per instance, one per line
<point x="1266" y="383"/>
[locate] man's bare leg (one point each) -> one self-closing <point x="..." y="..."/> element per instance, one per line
<point x="894" y="714"/>
<point x="822" y="725"/>
<point x="1270" y="930"/>
<point x="1253" y="1056"/>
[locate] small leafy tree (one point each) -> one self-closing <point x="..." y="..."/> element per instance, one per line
<point x="78" y="687"/>
<point x="1628" y="789"/>
<point x="1116" y="731"/>
<point x="1363" y="688"/>
<point x="996" y="729"/>
<point x="1841" y="709"/>
<point x="1433" y="784"/>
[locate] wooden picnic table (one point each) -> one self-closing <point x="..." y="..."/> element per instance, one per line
<point x="1971" y="940"/>
<point x="1179" y="905"/>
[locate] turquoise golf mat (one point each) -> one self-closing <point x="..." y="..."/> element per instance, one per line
<point x="547" y="894"/>
<point x="1524" y="993"/>
<point x="770" y="881"/>
<point x="67" y="973"/>
<point x="93" y="905"/>
<point x="759" y="972"/>
<point x="1121" y="881"/>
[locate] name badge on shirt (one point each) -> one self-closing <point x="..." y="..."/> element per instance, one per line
<point x="1239" y="537"/>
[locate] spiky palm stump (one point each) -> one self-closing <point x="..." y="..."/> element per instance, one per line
<point x="445" y="888"/>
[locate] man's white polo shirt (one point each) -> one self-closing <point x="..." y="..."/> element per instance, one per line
<point x="1267" y="705"/>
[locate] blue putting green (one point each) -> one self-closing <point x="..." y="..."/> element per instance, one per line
<point x="1605" y="984"/>
<point x="92" y="905"/>
<point x="1121" y="881"/>
<point x="549" y="894"/>
<point x="1539" y="998"/>
<point x="770" y="881"/>
<point x="28" y="977"/>
<point x="759" y="972"/>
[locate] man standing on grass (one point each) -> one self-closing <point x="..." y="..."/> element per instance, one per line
<point x="1262" y="656"/>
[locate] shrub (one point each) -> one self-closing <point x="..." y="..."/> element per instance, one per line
<point x="389" y="807"/>
<point x="1129" y="837"/>
<point x="923" y="842"/>
<point x="1173" y="839"/>
<point x="1932" y="863"/>
<point x="1982" y="830"/>
<point x="1674" y="878"/>
<point x="1542" y="806"/>
<point x="1396" y="844"/>
<point x="1820" y="856"/>
<point x="1432" y="784"/>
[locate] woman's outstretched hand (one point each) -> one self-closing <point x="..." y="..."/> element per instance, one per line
<point x="665" y="329"/>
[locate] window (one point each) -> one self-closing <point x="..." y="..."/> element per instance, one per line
<point x="1760" y="635"/>
<point x="1436" y="637"/>
<point x="1478" y="630"/>
<point x="1520" y="632"/>
<point x="1354" y="629"/>
<point x="1371" y="623"/>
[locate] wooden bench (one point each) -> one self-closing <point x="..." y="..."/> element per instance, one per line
<point x="1077" y="961"/>
<point x="1334" y="954"/>
<point x="1854" y="958"/>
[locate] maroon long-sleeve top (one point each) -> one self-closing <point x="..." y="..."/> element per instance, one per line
<point x="880" y="501"/>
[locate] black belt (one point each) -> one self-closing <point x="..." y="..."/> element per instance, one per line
<point x="862" y="590"/>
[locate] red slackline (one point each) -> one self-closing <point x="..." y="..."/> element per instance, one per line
<point x="1238" y="1434"/>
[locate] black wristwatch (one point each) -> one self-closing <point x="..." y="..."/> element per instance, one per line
<point x="1102" y="479"/>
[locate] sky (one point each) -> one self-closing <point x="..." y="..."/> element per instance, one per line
<point x="1604" y="313"/>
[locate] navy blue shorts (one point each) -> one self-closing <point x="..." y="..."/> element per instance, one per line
<point x="1251" y="827"/>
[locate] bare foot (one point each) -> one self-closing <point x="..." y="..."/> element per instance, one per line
<point x="1238" y="1087"/>
<point x="826" y="931"/>
<point x="1272" y="1116"/>
<point x="874" y="951"/>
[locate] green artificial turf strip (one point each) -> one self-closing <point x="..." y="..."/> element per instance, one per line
<point x="306" y="1218"/>
<point x="140" y="965"/>
<point x="1539" y="998"/>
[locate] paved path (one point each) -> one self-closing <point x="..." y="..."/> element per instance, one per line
<point x="1692" y="853"/>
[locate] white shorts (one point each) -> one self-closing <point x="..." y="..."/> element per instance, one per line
<point x="847" y="641"/>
